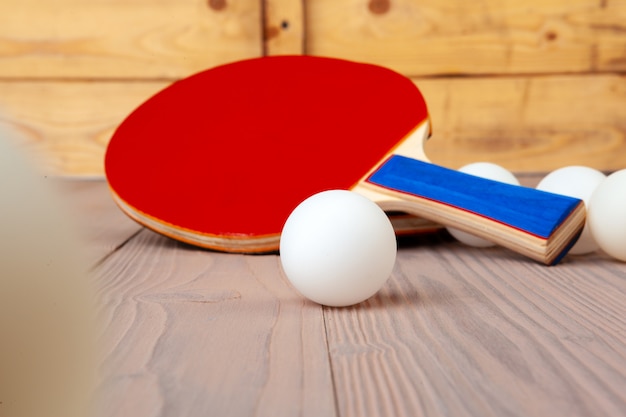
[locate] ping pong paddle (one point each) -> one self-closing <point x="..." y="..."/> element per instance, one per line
<point x="221" y="158"/>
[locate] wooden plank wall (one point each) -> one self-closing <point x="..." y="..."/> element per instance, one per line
<point x="531" y="85"/>
<point x="71" y="70"/>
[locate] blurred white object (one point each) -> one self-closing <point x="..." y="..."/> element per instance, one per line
<point x="45" y="299"/>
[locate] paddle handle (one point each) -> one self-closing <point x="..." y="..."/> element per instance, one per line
<point x="535" y="223"/>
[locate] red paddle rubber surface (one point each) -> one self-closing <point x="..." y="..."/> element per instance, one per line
<point x="231" y="151"/>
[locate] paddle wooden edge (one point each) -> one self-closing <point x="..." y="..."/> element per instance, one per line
<point x="223" y="243"/>
<point x="545" y="250"/>
<point x="404" y="224"/>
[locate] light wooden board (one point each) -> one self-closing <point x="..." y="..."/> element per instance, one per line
<point x="67" y="125"/>
<point x="419" y="37"/>
<point x="121" y="39"/>
<point x="533" y="123"/>
<point x="456" y="331"/>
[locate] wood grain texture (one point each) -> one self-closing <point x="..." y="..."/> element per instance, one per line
<point x="284" y="26"/>
<point x="67" y="125"/>
<point x="118" y="39"/>
<point x="418" y="37"/>
<point x="535" y="123"/>
<point x="460" y="331"/>
<point x="189" y="332"/>
<point x="456" y="331"/>
<point x="525" y="121"/>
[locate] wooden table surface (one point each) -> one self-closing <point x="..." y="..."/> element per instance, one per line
<point x="456" y="331"/>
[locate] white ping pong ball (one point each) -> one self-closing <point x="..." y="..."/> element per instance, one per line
<point x="607" y="215"/>
<point x="578" y="182"/>
<point x="338" y="248"/>
<point x="489" y="171"/>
